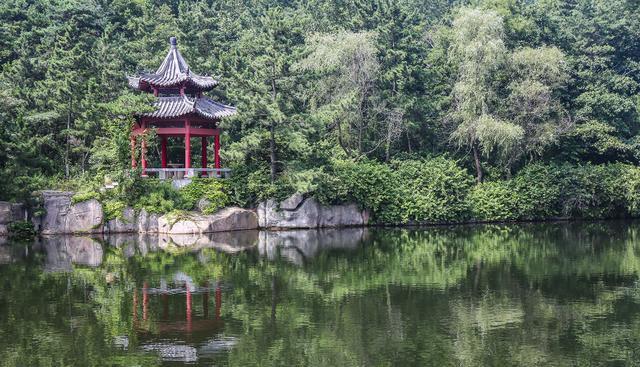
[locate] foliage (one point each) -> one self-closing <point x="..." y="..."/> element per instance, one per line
<point x="368" y="183"/>
<point x="113" y="209"/>
<point x="432" y="190"/>
<point x="212" y="190"/>
<point x="543" y="192"/>
<point x="540" y="94"/>
<point x="21" y="231"/>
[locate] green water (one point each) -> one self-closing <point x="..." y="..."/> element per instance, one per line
<point x="541" y="294"/>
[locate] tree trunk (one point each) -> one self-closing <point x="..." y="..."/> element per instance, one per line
<point x="68" y="147"/>
<point x="272" y="133"/>
<point x="272" y="151"/>
<point x="476" y="159"/>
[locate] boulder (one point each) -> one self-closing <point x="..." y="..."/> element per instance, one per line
<point x="227" y="219"/>
<point x="297" y="212"/>
<point x="293" y="202"/>
<point x="202" y="204"/>
<point x="64" y="217"/>
<point x="126" y="223"/>
<point x="147" y="222"/>
<point x="348" y="215"/>
<point x="306" y="215"/>
<point x="11" y="212"/>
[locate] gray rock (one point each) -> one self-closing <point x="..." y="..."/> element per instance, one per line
<point x="63" y="217"/>
<point x="6" y="214"/>
<point x="348" y="215"/>
<point x="127" y="223"/>
<point x="4" y="230"/>
<point x="227" y="219"/>
<point x="147" y="222"/>
<point x="309" y="214"/>
<point x="202" y="204"/>
<point x="306" y="215"/>
<point x="292" y="203"/>
<point x="11" y="212"/>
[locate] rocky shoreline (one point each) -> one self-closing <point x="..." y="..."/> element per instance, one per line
<point x="63" y="216"/>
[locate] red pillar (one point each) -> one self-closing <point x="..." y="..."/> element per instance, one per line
<point x="134" y="164"/>
<point x="143" y="156"/>
<point x="216" y="143"/>
<point x="189" y="325"/>
<point x="187" y="145"/>
<point x="204" y="155"/>
<point x="163" y="146"/>
<point x="145" y="301"/>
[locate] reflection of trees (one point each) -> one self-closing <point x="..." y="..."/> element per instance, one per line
<point x="491" y="295"/>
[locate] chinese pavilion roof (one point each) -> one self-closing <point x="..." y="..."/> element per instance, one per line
<point x="176" y="106"/>
<point x="173" y="72"/>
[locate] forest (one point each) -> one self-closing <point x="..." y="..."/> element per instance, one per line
<point x="420" y="111"/>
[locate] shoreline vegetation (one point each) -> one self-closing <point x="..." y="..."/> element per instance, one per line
<point x="418" y="193"/>
<point x="443" y="113"/>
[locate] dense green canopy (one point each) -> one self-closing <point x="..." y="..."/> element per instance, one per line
<point x="512" y="81"/>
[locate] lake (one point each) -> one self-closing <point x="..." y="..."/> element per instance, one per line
<point x="559" y="294"/>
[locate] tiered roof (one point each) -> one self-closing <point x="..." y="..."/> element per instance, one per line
<point x="174" y="73"/>
<point x="169" y="107"/>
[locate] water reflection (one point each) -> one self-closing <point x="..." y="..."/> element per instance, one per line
<point x="543" y="294"/>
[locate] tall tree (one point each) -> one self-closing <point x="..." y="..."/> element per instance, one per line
<point x="480" y="52"/>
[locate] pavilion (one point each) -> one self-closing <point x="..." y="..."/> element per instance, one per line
<point x="181" y="110"/>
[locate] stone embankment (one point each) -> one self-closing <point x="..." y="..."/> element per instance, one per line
<point x="63" y="216"/>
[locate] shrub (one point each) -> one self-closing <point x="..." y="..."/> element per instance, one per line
<point x="369" y="184"/>
<point x="432" y="190"/>
<point x="632" y="190"/>
<point x="212" y="190"/>
<point x="413" y="190"/>
<point x="113" y="209"/>
<point x="21" y="231"/>
<point x="249" y="185"/>
<point x="84" y="196"/>
<point x="493" y="201"/>
<point x="594" y="191"/>
<point x="538" y="190"/>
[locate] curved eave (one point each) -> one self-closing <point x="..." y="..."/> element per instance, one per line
<point x="174" y="107"/>
<point x="193" y="83"/>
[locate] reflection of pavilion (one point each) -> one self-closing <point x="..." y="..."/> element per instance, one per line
<point x="174" y="319"/>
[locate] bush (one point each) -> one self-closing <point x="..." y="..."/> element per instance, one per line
<point x="432" y="190"/>
<point x="369" y="184"/>
<point x="493" y="201"/>
<point x="594" y="191"/>
<point x="21" y="231"/>
<point x="632" y="190"/>
<point x="249" y="185"/>
<point x="413" y="190"/>
<point x="84" y="196"/>
<point x="210" y="189"/>
<point x="538" y="191"/>
<point x="112" y="209"/>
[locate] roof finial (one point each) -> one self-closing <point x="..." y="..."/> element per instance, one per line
<point x="173" y="41"/>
